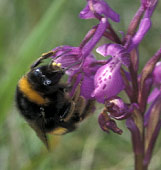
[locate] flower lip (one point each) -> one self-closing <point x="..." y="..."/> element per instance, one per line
<point x="108" y="81"/>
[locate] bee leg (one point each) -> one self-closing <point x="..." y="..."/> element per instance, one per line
<point x="78" y="103"/>
<point x="43" y="57"/>
<point x="88" y="109"/>
<point x="70" y="114"/>
<point x="80" y="107"/>
<point x="83" y="107"/>
<point x="77" y="90"/>
<point x="76" y="109"/>
<point x="47" y="55"/>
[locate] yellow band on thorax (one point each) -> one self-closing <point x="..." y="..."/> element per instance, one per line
<point x="30" y="93"/>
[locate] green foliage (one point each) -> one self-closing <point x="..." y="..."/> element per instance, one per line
<point x="27" y="29"/>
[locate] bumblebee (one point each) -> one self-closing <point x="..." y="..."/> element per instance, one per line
<point x="44" y="101"/>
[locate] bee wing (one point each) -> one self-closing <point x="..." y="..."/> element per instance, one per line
<point x="38" y="127"/>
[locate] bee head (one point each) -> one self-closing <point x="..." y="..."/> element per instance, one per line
<point x="45" y="77"/>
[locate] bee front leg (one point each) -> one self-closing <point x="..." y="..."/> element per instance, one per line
<point x="77" y="90"/>
<point x="43" y="57"/>
<point x="88" y="109"/>
<point x="75" y="110"/>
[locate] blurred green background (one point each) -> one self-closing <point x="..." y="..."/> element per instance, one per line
<point x="27" y="29"/>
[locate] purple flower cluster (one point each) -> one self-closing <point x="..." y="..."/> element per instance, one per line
<point x="104" y="79"/>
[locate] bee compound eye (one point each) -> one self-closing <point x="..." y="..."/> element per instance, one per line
<point x="37" y="72"/>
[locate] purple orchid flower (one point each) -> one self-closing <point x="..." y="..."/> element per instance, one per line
<point x="84" y="61"/>
<point x="71" y="57"/>
<point x="101" y="8"/>
<point x="89" y="68"/>
<point x="68" y="56"/>
<point x="118" y="109"/>
<point x="108" y="79"/>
